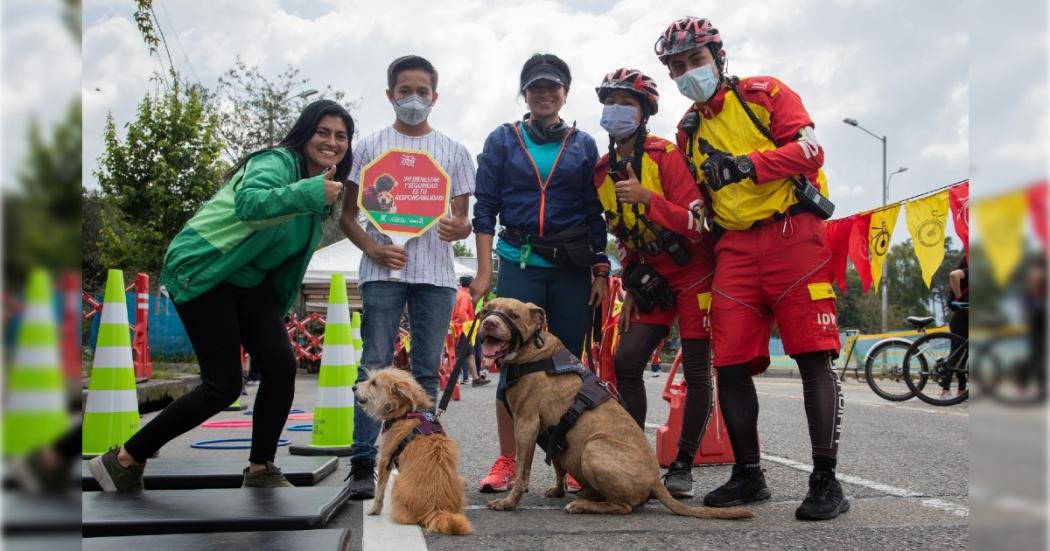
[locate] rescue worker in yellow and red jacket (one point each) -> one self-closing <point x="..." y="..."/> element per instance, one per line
<point x="754" y="149"/>
<point x="654" y="207"/>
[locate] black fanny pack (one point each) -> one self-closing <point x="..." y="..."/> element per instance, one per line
<point x="569" y="248"/>
<point x="648" y="288"/>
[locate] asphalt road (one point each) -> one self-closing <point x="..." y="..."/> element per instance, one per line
<point x="904" y="467"/>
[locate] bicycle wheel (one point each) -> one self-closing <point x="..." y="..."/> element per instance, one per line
<point x="937" y="357"/>
<point x="1003" y="370"/>
<point x="884" y="370"/>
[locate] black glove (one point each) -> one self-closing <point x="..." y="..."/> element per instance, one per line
<point x="721" y="169"/>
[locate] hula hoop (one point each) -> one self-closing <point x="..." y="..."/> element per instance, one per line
<point x="228" y="424"/>
<point x="249" y="412"/>
<point x="217" y="444"/>
<point x="301" y="428"/>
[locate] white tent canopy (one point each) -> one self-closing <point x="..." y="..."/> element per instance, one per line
<point x="343" y="256"/>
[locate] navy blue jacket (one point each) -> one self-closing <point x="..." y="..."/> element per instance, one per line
<point x="508" y="186"/>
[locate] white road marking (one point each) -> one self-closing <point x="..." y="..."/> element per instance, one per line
<point x="379" y="533"/>
<point x="883" y="404"/>
<point x="932" y="503"/>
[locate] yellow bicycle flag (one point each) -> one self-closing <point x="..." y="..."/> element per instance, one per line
<point x="880" y="231"/>
<point x="926" y="219"/>
<point x="1000" y="221"/>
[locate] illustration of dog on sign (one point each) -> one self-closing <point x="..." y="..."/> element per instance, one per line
<point x="380" y="196"/>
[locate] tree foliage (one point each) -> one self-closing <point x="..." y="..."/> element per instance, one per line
<point x="167" y="165"/>
<point x="255" y="111"/>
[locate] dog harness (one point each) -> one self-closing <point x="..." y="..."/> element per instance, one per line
<point x="592" y="392"/>
<point x="428" y="424"/>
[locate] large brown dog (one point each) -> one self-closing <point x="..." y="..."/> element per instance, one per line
<point x="608" y="453"/>
<point x="428" y="490"/>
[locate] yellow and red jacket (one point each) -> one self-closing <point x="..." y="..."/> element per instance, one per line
<point x="725" y="125"/>
<point x="675" y="205"/>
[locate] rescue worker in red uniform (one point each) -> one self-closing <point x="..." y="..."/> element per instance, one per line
<point x="752" y="144"/>
<point x="654" y="207"/>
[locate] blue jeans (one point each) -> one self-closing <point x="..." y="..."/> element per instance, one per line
<point x="429" y="311"/>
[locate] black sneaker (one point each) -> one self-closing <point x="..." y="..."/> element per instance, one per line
<point x="679" y="479"/>
<point x="114" y="477"/>
<point x="270" y="477"/>
<point x="747" y="485"/>
<point x="480" y="382"/>
<point x="362" y="479"/>
<point x="825" y="500"/>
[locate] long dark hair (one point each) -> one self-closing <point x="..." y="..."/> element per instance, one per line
<point x="303" y="129"/>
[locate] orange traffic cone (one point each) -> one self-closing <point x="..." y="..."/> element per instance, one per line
<point x="714" y="449"/>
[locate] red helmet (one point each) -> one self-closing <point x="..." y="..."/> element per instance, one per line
<point x="635" y="82"/>
<point x="686" y="34"/>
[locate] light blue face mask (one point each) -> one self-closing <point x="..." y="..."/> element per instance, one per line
<point x="699" y="84"/>
<point x="412" y="110"/>
<point x="619" y="120"/>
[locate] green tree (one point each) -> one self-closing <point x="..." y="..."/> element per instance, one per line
<point x="167" y="165"/>
<point x="459" y="249"/>
<point x="255" y="111"/>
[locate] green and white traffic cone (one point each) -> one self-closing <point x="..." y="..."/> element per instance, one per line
<point x="333" y="430"/>
<point x="35" y="411"/>
<point x="111" y="414"/>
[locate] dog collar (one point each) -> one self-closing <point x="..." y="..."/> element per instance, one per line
<point x="516" y="337"/>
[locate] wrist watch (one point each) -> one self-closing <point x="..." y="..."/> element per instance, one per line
<point x="745" y="166"/>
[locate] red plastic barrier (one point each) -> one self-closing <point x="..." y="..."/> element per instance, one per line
<point x="305" y="344"/>
<point x="714" y="445"/>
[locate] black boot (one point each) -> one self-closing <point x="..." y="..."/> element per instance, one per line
<point x="362" y="479"/>
<point x="825" y="500"/>
<point x="747" y="485"/>
<point x="679" y="479"/>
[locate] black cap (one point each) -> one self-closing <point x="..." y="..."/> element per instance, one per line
<point x="545" y="71"/>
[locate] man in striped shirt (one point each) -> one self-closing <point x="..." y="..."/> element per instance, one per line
<point x="428" y="282"/>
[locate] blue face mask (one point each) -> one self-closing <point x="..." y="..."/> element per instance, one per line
<point x="699" y="84"/>
<point x="619" y="120"/>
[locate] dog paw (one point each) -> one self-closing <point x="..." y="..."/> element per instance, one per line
<point x="573" y="508"/>
<point x="502" y="505"/>
<point x="556" y="491"/>
<point x="375" y="510"/>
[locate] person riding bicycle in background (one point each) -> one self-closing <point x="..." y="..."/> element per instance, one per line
<point x="959" y="281"/>
<point x="653" y="206"/>
<point x="753" y="147"/>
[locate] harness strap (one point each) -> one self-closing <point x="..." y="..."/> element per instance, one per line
<point x="428" y="424"/>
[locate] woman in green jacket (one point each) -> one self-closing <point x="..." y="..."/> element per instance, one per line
<point x="233" y="272"/>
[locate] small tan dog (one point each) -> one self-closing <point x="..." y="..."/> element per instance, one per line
<point x="607" y="452"/>
<point x="429" y="490"/>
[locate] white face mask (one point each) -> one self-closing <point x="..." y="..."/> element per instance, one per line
<point x="619" y="120"/>
<point x="699" y="84"/>
<point x="412" y="110"/>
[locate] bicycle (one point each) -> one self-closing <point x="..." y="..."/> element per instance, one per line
<point x="938" y="357"/>
<point x="884" y="366"/>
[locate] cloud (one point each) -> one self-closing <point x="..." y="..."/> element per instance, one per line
<point x="897" y="67"/>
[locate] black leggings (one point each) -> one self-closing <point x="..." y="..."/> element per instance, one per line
<point x="821" y="395"/>
<point x="635" y="348"/>
<point x="218" y="323"/>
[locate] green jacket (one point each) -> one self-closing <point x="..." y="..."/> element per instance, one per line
<point x="250" y="211"/>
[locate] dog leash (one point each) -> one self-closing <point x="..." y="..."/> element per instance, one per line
<point x="461" y="359"/>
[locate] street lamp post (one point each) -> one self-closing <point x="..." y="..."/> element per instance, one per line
<point x="885" y="199"/>
<point x="273" y="108"/>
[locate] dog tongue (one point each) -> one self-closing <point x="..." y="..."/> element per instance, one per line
<point x="490" y="347"/>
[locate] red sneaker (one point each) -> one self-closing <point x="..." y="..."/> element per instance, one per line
<point x="571" y="484"/>
<point x="501" y="476"/>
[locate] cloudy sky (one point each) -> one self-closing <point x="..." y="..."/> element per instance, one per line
<point x="903" y="69"/>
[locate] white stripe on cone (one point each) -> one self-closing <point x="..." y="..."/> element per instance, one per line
<point x="38" y="313"/>
<point x="112" y="401"/>
<point x="36" y="357"/>
<point x="338" y="313"/>
<point x="335" y="397"/>
<point x="115" y="313"/>
<point x="337" y="354"/>
<point x="53" y="400"/>
<point x="112" y="356"/>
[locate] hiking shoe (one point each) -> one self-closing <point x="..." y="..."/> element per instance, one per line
<point x="501" y="476"/>
<point x="36" y="476"/>
<point x="362" y="479"/>
<point x="270" y="477"/>
<point x="679" y="479"/>
<point x="114" y="477"/>
<point x="480" y="382"/>
<point x="747" y="485"/>
<point x="571" y="485"/>
<point x="825" y="500"/>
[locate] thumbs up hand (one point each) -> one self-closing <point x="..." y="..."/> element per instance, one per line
<point x="631" y="191"/>
<point x="331" y="187"/>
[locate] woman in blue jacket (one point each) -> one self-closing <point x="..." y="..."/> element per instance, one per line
<point x="537" y="176"/>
